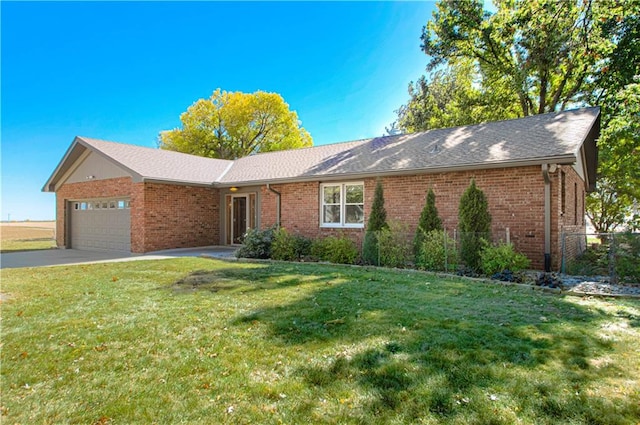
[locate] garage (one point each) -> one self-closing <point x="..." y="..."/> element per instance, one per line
<point x="101" y="224"/>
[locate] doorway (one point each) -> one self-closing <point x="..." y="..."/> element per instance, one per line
<point x="240" y="216"/>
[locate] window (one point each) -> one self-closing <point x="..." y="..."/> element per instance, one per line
<point x="575" y="204"/>
<point x="342" y="205"/>
<point x="563" y="193"/>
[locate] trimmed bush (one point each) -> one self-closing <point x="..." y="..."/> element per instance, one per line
<point x="339" y="250"/>
<point x="502" y="257"/>
<point x="437" y="252"/>
<point x="377" y="222"/>
<point x="289" y="247"/>
<point x="394" y="246"/>
<point x="475" y="225"/>
<point x="429" y="220"/>
<point x="256" y="243"/>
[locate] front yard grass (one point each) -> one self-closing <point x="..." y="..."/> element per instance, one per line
<point x="201" y="341"/>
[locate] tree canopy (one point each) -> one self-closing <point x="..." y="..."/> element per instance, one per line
<point x="532" y="57"/>
<point x="542" y="51"/>
<point x="231" y="125"/>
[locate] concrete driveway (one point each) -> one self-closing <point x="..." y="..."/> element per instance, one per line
<point x="59" y="257"/>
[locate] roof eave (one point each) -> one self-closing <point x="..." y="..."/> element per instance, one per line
<point x="559" y="159"/>
<point x="63" y="165"/>
<point x="160" y="180"/>
<point x="49" y="186"/>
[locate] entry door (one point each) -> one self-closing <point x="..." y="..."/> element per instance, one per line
<point x="239" y="213"/>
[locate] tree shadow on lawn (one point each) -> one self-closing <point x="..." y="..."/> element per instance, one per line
<point x="257" y="277"/>
<point x="418" y="345"/>
<point x="445" y="348"/>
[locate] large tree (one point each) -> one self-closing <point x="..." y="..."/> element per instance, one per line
<point x="451" y="97"/>
<point x="532" y="57"/>
<point x="231" y="125"/>
<point x="616" y="89"/>
<point x="542" y="51"/>
<point x="616" y="200"/>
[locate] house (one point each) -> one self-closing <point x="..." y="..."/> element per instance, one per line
<point x="535" y="172"/>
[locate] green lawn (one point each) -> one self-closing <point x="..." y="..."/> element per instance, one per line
<point x="202" y="341"/>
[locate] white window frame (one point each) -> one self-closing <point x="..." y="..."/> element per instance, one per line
<point x="341" y="224"/>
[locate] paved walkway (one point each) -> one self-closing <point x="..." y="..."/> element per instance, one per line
<point x="58" y="257"/>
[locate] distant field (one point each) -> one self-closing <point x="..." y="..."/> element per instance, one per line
<point x="27" y="235"/>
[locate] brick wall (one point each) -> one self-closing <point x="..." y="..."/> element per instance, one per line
<point x="568" y="214"/>
<point x="163" y="216"/>
<point x="92" y="189"/>
<point x="179" y="216"/>
<point x="515" y="197"/>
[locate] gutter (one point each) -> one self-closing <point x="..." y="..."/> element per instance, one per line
<point x="547" y="216"/>
<point x="568" y="159"/>
<point x="278" y="204"/>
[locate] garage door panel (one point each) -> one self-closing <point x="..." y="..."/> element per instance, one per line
<point x="100" y="229"/>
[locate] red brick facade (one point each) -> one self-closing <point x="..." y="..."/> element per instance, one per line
<point x="178" y="217"/>
<point x="92" y="189"/>
<point x="567" y="213"/>
<point x="515" y="197"/>
<point x="163" y="216"/>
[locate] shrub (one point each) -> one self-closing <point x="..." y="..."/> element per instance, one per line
<point x="628" y="257"/>
<point x="437" y="252"/>
<point x="594" y="261"/>
<point x="501" y="257"/>
<point x="395" y="249"/>
<point x="429" y="220"/>
<point x="475" y="225"/>
<point x="289" y="247"/>
<point x="377" y="222"/>
<point x="340" y="250"/>
<point x="256" y="243"/>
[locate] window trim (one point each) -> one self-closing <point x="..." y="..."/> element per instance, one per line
<point x="342" y="204"/>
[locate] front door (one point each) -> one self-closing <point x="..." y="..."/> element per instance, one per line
<point x="239" y="218"/>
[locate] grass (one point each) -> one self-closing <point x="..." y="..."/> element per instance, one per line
<point x="26" y="238"/>
<point x="202" y="341"/>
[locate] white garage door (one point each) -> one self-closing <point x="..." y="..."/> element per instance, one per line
<point x="103" y="224"/>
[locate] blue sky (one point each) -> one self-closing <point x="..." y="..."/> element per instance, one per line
<point x="125" y="71"/>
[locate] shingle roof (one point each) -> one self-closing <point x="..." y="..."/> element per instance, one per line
<point x="146" y="163"/>
<point x="534" y="139"/>
<point x="546" y="138"/>
<point x="160" y="164"/>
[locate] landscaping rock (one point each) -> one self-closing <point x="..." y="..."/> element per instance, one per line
<point x="549" y="280"/>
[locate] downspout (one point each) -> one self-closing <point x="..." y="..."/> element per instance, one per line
<point x="547" y="217"/>
<point x="277" y="204"/>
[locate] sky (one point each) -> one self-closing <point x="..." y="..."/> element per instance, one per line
<point x="124" y="71"/>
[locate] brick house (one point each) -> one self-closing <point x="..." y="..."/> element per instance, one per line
<point x="535" y="172"/>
